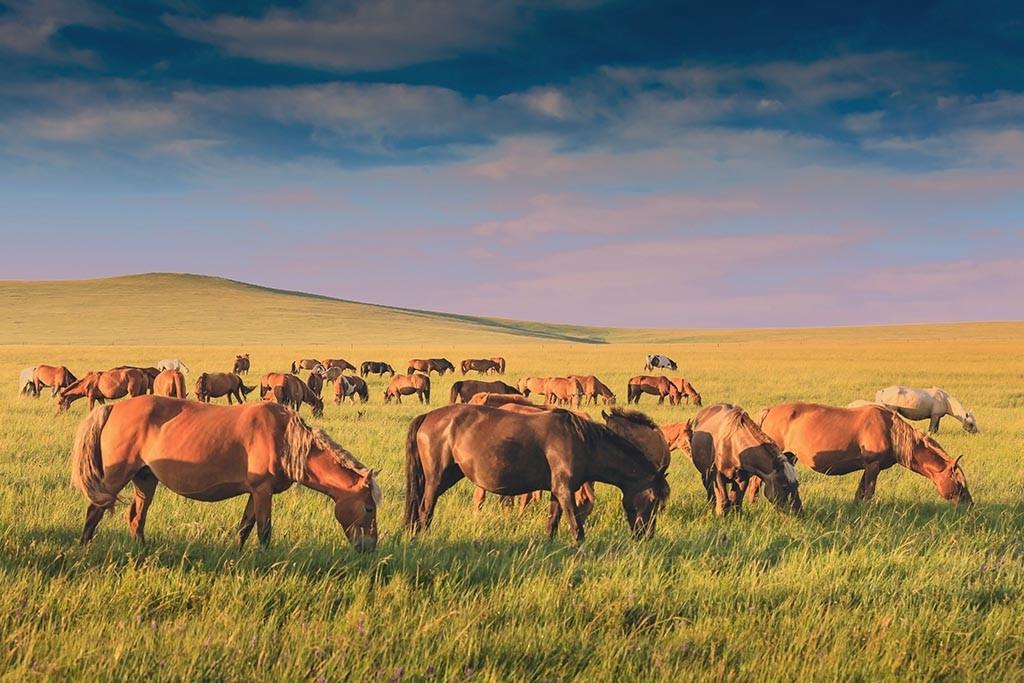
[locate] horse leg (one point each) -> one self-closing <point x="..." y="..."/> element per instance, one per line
<point x="479" y="495"/>
<point x="261" y="498"/>
<point x="753" y="485"/>
<point x="145" y="488"/>
<point x="866" y="488"/>
<point x="554" y="516"/>
<point x="567" y="502"/>
<point x="433" y="490"/>
<point x="721" y="486"/>
<point x="248" y="522"/>
<point x="114" y="479"/>
<point x="933" y="428"/>
<point x="708" y="478"/>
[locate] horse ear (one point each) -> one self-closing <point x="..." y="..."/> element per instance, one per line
<point x="604" y="415"/>
<point x="956" y="463"/>
<point x="663" y="470"/>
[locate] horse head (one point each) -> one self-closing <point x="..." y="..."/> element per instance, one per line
<point x="643" y="504"/>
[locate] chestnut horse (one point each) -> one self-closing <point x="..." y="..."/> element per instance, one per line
<point x="532" y="385"/>
<point x="406" y="385"/>
<point x="593" y="388"/>
<point x="481" y="365"/>
<point x="466" y="389"/>
<point x="677" y="436"/>
<point x="497" y="400"/>
<point x="289" y="390"/>
<point x="501" y="363"/>
<point x="375" y="367"/>
<point x="99" y="386"/>
<point x="150" y="373"/>
<point x="511" y="453"/>
<point x="56" y="377"/>
<point x="305" y="364"/>
<point x="170" y="383"/>
<point x="428" y="365"/>
<point x="563" y="390"/>
<point x="687" y="391"/>
<point x="871" y="438"/>
<point x="211" y="453"/>
<point x="350" y="386"/>
<point x="241" y="366"/>
<point x="216" y="384"/>
<point x="340" y="363"/>
<point x="647" y="384"/>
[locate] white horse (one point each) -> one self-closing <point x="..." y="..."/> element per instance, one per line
<point x="26" y="384"/>
<point x="655" y="360"/>
<point x="926" y="404"/>
<point x="172" y="364"/>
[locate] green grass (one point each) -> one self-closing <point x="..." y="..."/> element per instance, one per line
<point x="907" y="587"/>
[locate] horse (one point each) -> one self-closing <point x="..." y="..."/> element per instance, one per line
<point x="241" y="366"/>
<point x="216" y="384"/>
<point x="657" y="361"/>
<point x="500" y="360"/>
<point x="172" y="364"/>
<point x="26" y="385"/>
<point x="350" y="386"/>
<point x="481" y="365"/>
<point x="647" y="384"/>
<point x="99" y="386"/>
<point x="315" y="381"/>
<point x="927" y="404"/>
<point x="563" y="390"/>
<point x="466" y="389"/>
<point x="676" y="436"/>
<point x="287" y="389"/>
<point x="511" y="453"/>
<point x="150" y="373"/>
<point x="304" y="364"/>
<point x="56" y="377"/>
<point x="837" y="441"/>
<point x="428" y="365"/>
<point x="375" y="367"/>
<point x="485" y="398"/>
<point x="340" y="363"/>
<point x="728" y="448"/>
<point x="687" y="391"/>
<point x="416" y="383"/>
<point x="593" y="388"/>
<point x="170" y="383"/>
<point x="529" y="385"/>
<point x="212" y="453"/>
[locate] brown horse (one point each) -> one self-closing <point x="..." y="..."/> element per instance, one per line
<point x="289" y="390"/>
<point x="466" y="389"/>
<point x="305" y="364"/>
<point x="150" y="373"/>
<point x="339" y="363"/>
<point x="315" y="382"/>
<point x="677" y="436"/>
<point x="211" y="385"/>
<point x="687" y="391"/>
<point x="728" y="448"/>
<point x="532" y="385"/>
<point x="170" y="383"/>
<point x="563" y="390"/>
<point x="211" y="453"/>
<point x="647" y="384"/>
<point x="406" y="385"/>
<point x="99" y="386"/>
<point x="350" y="386"/>
<point x="501" y="363"/>
<point x="497" y="400"/>
<point x="481" y="365"/>
<point x="241" y="366"/>
<point x="56" y="377"/>
<point x="871" y="438"/>
<point x="511" y="453"/>
<point x="375" y="367"/>
<point x="428" y="365"/>
<point x="593" y="388"/>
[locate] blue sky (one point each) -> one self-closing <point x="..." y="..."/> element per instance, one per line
<point x="624" y="163"/>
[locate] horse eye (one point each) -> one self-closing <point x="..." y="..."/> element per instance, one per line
<point x="370" y="509"/>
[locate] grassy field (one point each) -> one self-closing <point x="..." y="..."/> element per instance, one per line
<point x="907" y="587"/>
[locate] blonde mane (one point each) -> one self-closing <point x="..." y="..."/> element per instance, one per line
<point x="299" y="439"/>
<point x="903" y="438"/>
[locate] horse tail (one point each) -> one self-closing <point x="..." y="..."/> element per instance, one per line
<point x="456" y="392"/>
<point x="902" y="438"/>
<point x="426" y="389"/>
<point x="87" y="459"/>
<point x="279" y="394"/>
<point x="179" y="386"/>
<point x="415" y="480"/>
<point x="244" y="389"/>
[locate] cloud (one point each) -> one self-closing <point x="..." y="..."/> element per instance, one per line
<point x="28" y="27"/>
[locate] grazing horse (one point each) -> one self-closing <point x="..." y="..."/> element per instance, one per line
<point x="500" y="360"/>
<point x="485" y="398"/>
<point x="658" y="386"/>
<point x="375" y="367"/>
<point x="99" y="386"/>
<point x="838" y="441"/>
<point x="406" y="385"/>
<point x="926" y="404"/>
<point x="481" y="365"/>
<point x="532" y="385"/>
<point x="315" y="381"/>
<point x="212" y="453"/>
<point x="170" y="383"/>
<point x="305" y="364"/>
<point x="289" y="390"/>
<point x="467" y="389"/>
<point x="677" y="436"/>
<point x="428" y="365"/>
<point x="339" y="363"/>
<point x="172" y="364"/>
<point x="150" y="373"/>
<point x="687" y="391"/>
<point x="26" y="385"/>
<point x="350" y="386"/>
<point x="216" y="384"/>
<point x="563" y="390"/>
<point x="511" y="453"/>
<point x="656" y="361"/>
<point x="593" y="388"/>
<point x="56" y="377"/>
<point x="241" y="366"/>
<point x="728" y="449"/>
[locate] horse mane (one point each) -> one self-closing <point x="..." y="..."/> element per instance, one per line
<point x="903" y="437"/>
<point x="299" y="440"/>
<point x="738" y="418"/>
<point x="634" y="416"/>
<point x="590" y="430"/>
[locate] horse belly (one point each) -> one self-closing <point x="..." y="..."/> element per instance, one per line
<point x="507" y="471"/>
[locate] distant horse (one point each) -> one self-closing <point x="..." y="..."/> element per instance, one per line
<point x="339" y="363"/>
<point x="467" y="388"/>
<point x="838" y="441"/>
<point x="687" y="391"/>
<point x="375" y="367"/>
<point x="26" y="385"/>
<point x="315" y="381"/>
<point x="485" y="398"/>
<point x="216" y="384"/>
<point x="656" y="361"/>
<point x="563" y="390"/>
<point x="511" y="453"/>
<point x="305" y="364"/>
<point x="406" y="385"/>
<point x="428" y="365"/>
<point x="150" y="373"/>
<point x="481" y="365"/>
<point x="172" y="364"/>
<point x="241" y="366"/>
<point x="256" y="450"/>
<point x="56" y="377"/>
<point x="532" y="385"/>
<point x="287" y="389"/>
<point x="350" y="386"/>
<point x="926" y="404"/>
<point x="500" y="360"/>
<point x="658" y="386"/>
<point x="170" y="383"/>
<point x="593" y="388"/>
<point x="100" y="386"/>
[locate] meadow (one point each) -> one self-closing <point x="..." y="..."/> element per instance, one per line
<point x="905" y="587"/>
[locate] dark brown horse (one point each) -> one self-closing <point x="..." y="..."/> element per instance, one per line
<point x="871" y="438"/>
<point x="593" y="388"/>
<point x="350" y="386"/>
<point x="100" y="386"/>
<point x="428" y="365"/>
<point x="211" y="385"/>
<point x="305" y="364"/>
<point x="375" y="367"/>
<point x="56" y="377"/>
<point x="481" y="365"/>
<point x="468" y="388"/>
<point x="657" y="386"/>
<point x="687" y="391"/>
<point x="170" y="383"/>
<point x="315" y="381"/>
<point x="501" y="363"/>
<point x="406" y="385"/>
<point x="289" y="390"/>
<point x="340" y="363"/>
<point x="241" y="366"/>
<point x="511" y="453"/>
<point x="210" y="453"/>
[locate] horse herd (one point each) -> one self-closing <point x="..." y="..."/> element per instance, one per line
<point x="491" y="433"/>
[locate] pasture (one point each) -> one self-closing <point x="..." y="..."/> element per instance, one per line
<point x="905" y="587"/>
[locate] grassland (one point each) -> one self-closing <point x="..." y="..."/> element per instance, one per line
<point x="907" y="587"/>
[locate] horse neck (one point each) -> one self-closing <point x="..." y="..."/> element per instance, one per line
<point x="925" y="461"/>
<point x="326" y="475"/>
<point x="956" y="409"/>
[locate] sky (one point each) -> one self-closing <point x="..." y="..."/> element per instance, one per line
<point x="626" y="163"/>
